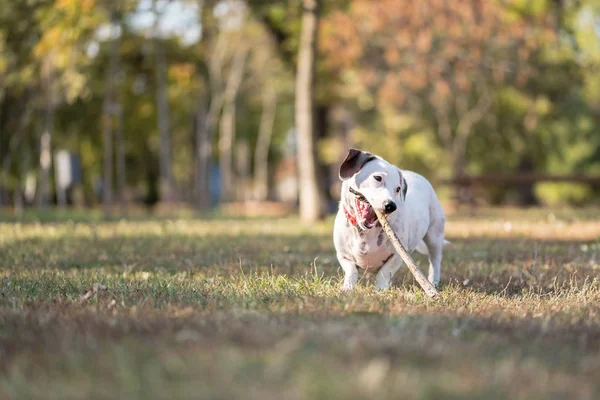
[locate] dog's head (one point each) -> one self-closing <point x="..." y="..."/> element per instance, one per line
<point x="370" y="181"/>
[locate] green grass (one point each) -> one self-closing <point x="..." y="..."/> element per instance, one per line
<point x="228" y="308"/>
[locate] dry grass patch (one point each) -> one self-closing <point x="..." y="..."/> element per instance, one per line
<point x="228" y="308"/>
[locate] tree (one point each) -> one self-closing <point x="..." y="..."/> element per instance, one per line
<point x="311" y="208"/>
<point x="166" y="184"/>
<point x="108" y="111"/>
<point x="281" y="21"/>
<point x="268" y="83"/>
<point x="439" y="61"/>
<point x="227" y="125"/>
<point x="48" y="83"/>
<point x="209" y="106"/>
<point x="61" y="78"/>
<point x="263" y="143"/>
<point x="120" y="156"/>
<point x="59" y="61"/>
<point x="471" y="87"/>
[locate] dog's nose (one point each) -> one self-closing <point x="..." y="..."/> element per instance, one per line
<point x="389" y="206"/>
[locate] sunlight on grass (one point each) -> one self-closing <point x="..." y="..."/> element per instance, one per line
<point x="232" y="308"/>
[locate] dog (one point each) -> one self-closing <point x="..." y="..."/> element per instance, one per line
<point x="411" y="207"/>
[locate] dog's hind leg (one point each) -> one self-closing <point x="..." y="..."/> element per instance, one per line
<point x="434" y="239"/>
<point x="422" y="248"/>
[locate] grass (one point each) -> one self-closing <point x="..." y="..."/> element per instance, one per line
<point x="229" y="308"/>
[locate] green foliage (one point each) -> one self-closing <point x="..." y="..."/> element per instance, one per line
<point x="59" y="49"/>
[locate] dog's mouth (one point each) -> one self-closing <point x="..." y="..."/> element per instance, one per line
<point x="365" y="212"/>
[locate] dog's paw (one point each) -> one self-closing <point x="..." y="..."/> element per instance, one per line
<point x="434" y="282"/>
<point x="382" y="283"/>
<point x="347" y="287"/>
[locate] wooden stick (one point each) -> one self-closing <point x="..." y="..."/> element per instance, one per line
<point x="429" y="289"/>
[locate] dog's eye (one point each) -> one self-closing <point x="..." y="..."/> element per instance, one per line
<point x="377" y="178"/>
<point x="398" y="189"/>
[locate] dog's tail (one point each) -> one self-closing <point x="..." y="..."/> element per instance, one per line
<point x="422" y="247"/>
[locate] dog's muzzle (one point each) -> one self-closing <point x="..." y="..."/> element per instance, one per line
<point x="388" y="205"/>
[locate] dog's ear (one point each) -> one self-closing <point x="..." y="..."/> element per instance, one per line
<point x="403" y="185"/>
<point x="354" y="162"/>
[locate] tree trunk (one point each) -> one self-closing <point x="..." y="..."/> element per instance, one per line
<point x="1" y="127"/>
<point x="227" y="126"/>
<point x="201" y="179"/>
<point x="166" y="184"/>
<point x="323" y="171"/>
<point x="46" y="158"/>
<point x="205" y="123"/>
<point x="242" y="158"/>
<point x="201" y="188"/>
<point x="263" y="143"/>
<point x="107" y="182"/>
<point x="226" y="139"/>
<point x="107" y="122"/>
<point x="344" y="124"/>
<point x="310" y="199"/>
<point x="526" y="163"/>
<point x="61" y="192"/>
<point x="462" y="194"/>
<point x="43" y="197"/>
<point x="121" y="168"/>
<point x="13" y="150"/>
<point x="525" y="190"/>
<point x="467" y="119"/>
<point x="119" y="127"/>
<point x="18" y="200"/>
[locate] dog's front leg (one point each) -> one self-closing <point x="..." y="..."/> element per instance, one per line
<point x="350" y="273"/>
<point x="386" y="273"/>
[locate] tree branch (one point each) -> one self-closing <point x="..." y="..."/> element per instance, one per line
<point x="474" y="115"/>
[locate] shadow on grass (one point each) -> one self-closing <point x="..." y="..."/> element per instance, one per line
<point x="439" y="342"/>
<point x="512" y="267"/>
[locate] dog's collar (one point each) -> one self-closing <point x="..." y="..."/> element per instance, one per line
<point x="359" y="196"/>
<point x="350" y="217"/>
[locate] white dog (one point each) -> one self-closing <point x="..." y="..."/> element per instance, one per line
<point x="412" y="208"/>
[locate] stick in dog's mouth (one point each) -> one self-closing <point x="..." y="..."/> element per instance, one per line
<point x="358" y="195"/>
<point x="429" y="289"/>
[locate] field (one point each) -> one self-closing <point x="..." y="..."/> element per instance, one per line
<point x="230" y="308"/>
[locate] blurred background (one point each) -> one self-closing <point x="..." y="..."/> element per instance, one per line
<point x="250" y="106"/>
